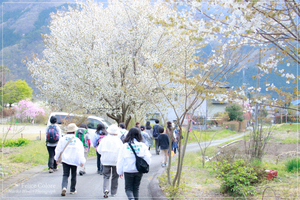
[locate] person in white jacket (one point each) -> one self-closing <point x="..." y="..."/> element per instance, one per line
<point x="109" y="148"/>
<point x="72" y="156"/>
<point x="126" y="162"/>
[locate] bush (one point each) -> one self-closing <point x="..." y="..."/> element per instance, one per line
<point x="41" y="119"/>
<point x="292" y="165"/>
<point x="238" y="177"/>
<point x="7" y="112"/>
<point x="16" y="142"/>
<point x="235" y="112"/>
<point x="220" y="118"/>
<point x="233" y="125"/>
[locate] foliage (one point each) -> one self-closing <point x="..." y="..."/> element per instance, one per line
<point x="292" y="165"/>
<point x="7" y="112"/>
<point x="16" y="142"/>
<point x="220" y="118"/>
<point x="14" y="130"/>
<point x="92" y="152"/>
<point x="15" y="91"/>
<point x="235" y="112"/>
<point x="233" y="125"/>
<point x="41" y="119"/>
<point x="237" y="177"/>
<point x="169" y="190"/>
<point x="26" y="110"/>
<point x="3" y="71"/>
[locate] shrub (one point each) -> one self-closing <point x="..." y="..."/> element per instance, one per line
<point x="235" y="112"/>
<point x="41" y="119"/>
<point x="233" y="125"/>
<point x="292" y="165"/>
<point x="16" y="142"/>
<point x="220" y="118"/>
<point x="7" y="112"/>
<point x="238" y="177"/>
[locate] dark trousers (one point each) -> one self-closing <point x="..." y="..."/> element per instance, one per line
<point x="156" y="146"/>
<point x="66" y="173"/>
<point x="107" y="171"/>
<point x="132" y="185"/>
<point x="99" y="165"/>
<point x="51" y="162"/>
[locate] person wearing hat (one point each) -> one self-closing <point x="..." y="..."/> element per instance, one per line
<point x="109" y="148"/>
<point x="72" y="156"/>
<point x="52" y="166"/>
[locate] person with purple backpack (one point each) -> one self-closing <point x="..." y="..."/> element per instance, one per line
<point x="100" y="134"/>
<point x="53" y="133"/>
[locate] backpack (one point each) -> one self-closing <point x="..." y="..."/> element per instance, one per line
<point x="80" y="133"/>
<point x="52" y="134"/>
<point x="100" y="138"/>
<point x="155" y="131"/>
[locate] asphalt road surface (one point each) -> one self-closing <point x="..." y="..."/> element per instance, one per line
<point x="89" y="186"/>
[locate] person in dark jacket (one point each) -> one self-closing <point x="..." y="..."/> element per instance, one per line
<point x="156" y="135"/>
<point x="163" y="143"/>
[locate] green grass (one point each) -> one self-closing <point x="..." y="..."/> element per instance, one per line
<point x="286" y="127"/>
<point x="92" y="152"/>
<point x="290" y="139"/>
<point x="34" y="153"/>
<point x="209" y="135"/>
<point x="292" y="165"/>
<point x="194" y="159"/>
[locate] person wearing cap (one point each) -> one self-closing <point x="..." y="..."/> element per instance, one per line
<point x="72" y="156"/>
<point x="109" y="150"/>
<point x="52" y="166"/>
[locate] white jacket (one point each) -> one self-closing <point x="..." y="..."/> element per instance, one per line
<point x="126" y="158"/>
<point x="73" y="154"/>
<point x="109" y="148"/>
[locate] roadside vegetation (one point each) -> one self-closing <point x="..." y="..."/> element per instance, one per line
<point x="20" y="154"/>
<point x="232" y="174"/>
<point x="210" y="134"/>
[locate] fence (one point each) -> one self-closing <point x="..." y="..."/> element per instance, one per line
<point x="279" y="119"/>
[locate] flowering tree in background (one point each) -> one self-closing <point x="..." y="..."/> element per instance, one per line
<point x="26" y="110"/>
<point x="94" y="54"/>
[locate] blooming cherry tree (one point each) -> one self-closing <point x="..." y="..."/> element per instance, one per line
<point x="26" y="110"/>
<point x="95" y="54"/>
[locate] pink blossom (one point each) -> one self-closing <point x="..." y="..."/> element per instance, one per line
<point x="27" y="109"/>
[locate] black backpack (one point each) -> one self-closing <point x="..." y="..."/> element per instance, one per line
<point x="155" y="131"/>
<point x="141" y="165"/>
<point x="52" y="134"/>
<point x="80" y="133"/>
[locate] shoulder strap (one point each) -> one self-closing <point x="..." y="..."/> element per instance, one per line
<point x="132" y="149"/>
<point x="65" y="147"/>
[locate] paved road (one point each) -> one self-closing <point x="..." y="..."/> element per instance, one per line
<point x="48" y="186"/>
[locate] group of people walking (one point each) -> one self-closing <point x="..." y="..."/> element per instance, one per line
<point x="115" y="157"/>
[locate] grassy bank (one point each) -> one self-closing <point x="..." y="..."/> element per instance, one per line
<point x="209" y="134"/>
<point x="17" y="159"/>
